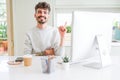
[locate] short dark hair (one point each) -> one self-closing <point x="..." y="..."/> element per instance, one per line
<point x="43" y="5"/>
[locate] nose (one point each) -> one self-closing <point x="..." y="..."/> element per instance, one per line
<point x="42" y="13"/>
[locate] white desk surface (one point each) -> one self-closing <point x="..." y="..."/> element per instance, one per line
<point x="76" y="71"/>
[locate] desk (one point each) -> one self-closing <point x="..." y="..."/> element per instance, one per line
<point x="76" y="71"/>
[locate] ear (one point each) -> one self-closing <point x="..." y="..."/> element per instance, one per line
<point x="35" y="15"/>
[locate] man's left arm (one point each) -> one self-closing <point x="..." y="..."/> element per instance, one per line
<point x="58" y="48"/>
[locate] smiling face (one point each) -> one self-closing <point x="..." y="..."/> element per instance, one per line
<point x="41" y="15"/>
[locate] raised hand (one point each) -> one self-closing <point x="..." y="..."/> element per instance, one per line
<point x="62" y="30"/>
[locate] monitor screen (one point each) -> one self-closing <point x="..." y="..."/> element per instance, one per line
<point x="86" y="26"/>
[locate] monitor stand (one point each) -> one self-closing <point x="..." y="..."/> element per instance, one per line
<point x="103" y="58"/>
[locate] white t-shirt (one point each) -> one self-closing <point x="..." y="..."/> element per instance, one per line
<point x="38" y="40"/>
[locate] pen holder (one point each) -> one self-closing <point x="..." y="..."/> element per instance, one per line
<point x="48" y="65"/>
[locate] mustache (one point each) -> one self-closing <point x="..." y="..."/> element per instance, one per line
<point x="41" y="17"/>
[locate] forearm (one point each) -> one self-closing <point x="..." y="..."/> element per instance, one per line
<point x="27" y="48"/>
<point x="27" y="51"/>
<point x="62" y="42"/>
<point x="60" y="51"/>
<point x="27" y="45"/>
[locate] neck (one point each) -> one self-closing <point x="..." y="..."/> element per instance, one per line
<point x="41" y="26"/>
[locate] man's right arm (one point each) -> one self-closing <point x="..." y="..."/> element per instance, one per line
<point x="27" y="45"/>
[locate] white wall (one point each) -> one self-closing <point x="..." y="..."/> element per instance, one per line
<point x="23" y="18"/>
<point x="89" y="3"/>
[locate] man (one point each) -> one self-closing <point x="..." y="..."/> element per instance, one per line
<point x="44" y="39"/>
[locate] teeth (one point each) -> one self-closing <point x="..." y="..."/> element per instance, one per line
<point x="41" y="18"/>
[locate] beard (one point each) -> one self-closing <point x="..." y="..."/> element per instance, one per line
<point x="41" y="19"/>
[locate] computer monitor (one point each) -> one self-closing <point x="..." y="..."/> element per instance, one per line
<point x="91" y="31"/>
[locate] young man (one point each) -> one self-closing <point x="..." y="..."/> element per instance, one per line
<point x="44" y="39"/>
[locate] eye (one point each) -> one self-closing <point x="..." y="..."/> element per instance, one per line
<point x="45" y="12"/>
<point x="39" y="12"/>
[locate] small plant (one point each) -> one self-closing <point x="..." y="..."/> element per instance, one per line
<point x="68" y="29"/>
<point x="3" y="30"/>
<point x="66" y="59"/>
